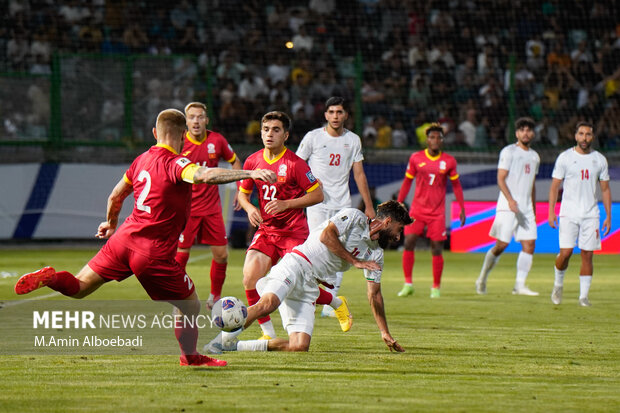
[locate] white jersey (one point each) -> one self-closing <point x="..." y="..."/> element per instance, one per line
<point x="581" y="174"/>
<point x="354" y="233"/>
<point x="331" y="158"/>
<point x="522" y="167"/>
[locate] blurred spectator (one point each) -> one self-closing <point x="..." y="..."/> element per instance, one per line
<point x="468" y="127"/>
<point x="384" y="133"/>
<point x="399" y="135"/>
<point x="251" y="86"/>
<point x="302" y="40"/>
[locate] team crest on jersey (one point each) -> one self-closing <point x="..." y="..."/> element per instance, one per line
<point x="442" y="166"/>
<point x="183" y="162"/>
<point x="282" y="173"/>
<point x="344" y="218"/>
<point x="211" y="151"/>
<point x="310" y="177"/>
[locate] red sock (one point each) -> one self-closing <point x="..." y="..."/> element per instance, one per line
<point x="408" y="260"/>
<point x="182" y="258"/>
<point x="218" y="275"/>
<point x="65" y="283"/>
<point x="325" y="297"/>
<point x="437" y="270"/>
<point x="253" y="297"/>
<point x="187" y="336"/>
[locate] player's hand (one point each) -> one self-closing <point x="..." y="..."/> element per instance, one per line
<point x="255" y="217"/>
<point x="512" y="204"/>
<point x="275" y="206"/>
<point x="606" y="226"/>
<point x="391" y="343"/>
<point x="105" y="230"/>
<point x="370" y="212"/>
<point x="462" y="217"/>
<point x="236" y="204"/>
<point x="553" y="220"/>
<point x="367" y="265"/>
<point x="264" y="175"/>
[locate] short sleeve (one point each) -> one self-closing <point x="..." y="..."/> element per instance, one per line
<point x="305" y="147"/>
<point x="604" y="175"/>
<point x="358" y="155"/>
<point x="375" y="276"/>
<point x="559" y="170"/>
<point x="347" y="219"/>
<point x="505" y="159"/>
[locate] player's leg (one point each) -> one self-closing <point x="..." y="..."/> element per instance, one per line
<point x="589" y="241"/>
<point x="490" y="259"/>
<point x="436" y="233"/>
<point x="255" y="267"/>
<point x="186" y="332"/>
<point x="213" y="232"/>
<point x="297" y="312"/>
<point x="64" y="282"/>
<point x="437" y="264"/>
<point x="186" y="240"/>
<point x="524" y="265"/>
<point x="411" y="232"/>
<point x="502" y="230"/>
<point x="567" y="235"/>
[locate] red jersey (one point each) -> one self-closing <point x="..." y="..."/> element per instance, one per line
<point x="162" y="201"/>
<point x="206" y="198"/>
<point x="294" y="180"/>
<point x="431" y="174"/>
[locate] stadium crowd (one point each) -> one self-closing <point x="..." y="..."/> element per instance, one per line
<point x="422" y="60"/>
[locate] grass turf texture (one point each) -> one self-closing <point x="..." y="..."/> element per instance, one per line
<point x="464" y="352"/>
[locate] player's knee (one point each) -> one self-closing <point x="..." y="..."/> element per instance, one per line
<point x="298" y="347"/>
<point x="268" y="303"/>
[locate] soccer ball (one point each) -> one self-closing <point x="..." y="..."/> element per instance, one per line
<point x="229" y="313"/>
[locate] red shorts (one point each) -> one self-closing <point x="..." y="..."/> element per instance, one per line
<point x="163" y="279"/>
<point x="207" y="229"/>
<point x="435" y="227"/>
<point x="275" y="246"/>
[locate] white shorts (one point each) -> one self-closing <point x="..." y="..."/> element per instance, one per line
<point x="316" y="214"/>
<point x="585" y="230"/>
<point x="507" y="224"/>
<point x="297" y="295"/>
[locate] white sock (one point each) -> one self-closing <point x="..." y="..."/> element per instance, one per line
<point x="584" y="285"/>
<point x="524" y="265"/>
<point x="336" y="302"/>
<point x="489" y="262"/>
<point x="559" y="276"/>
<point x="268" y="329"/>
<point x="252" y="345"/>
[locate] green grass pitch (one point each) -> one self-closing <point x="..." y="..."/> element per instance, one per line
<point x="464" y="352"/>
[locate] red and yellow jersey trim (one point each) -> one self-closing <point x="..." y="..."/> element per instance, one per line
<point x="274" y="160"/>
<point x="170" y="148"/>
<point x="429" y="156"/>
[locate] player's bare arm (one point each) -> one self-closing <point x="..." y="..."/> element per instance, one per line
<point x="254" y="215"/>
<point x="310" y="198"/>
<point x="237" y="166"/>
<point x="329" y="237"/>
<point x="502" y="174"/>
<point x="458" y="193"/>
<point x="606" y="195"/>
<point x="115" y="203"/>
<point x="215" y="176"/>
<point x="375" y="299"/>
<point x="553" y="199"/>
<point x="362" y="184"/>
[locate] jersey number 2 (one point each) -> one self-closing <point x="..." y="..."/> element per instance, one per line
<point x="144" y="176"/>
